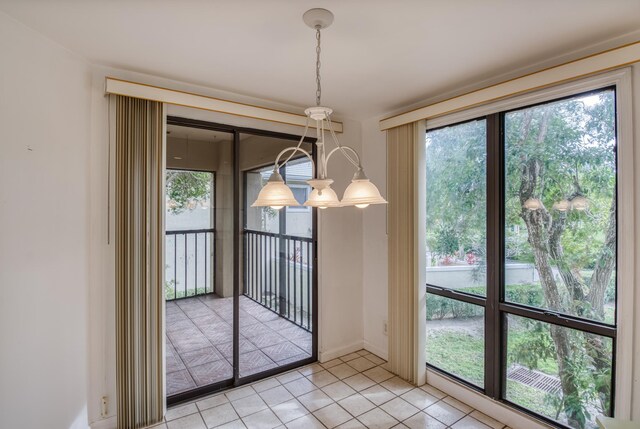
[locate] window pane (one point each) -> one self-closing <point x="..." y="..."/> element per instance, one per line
<point x="299" y="218"/>
<point x="263" y="219"/>
<point x="560" y="207"/>
<point x="456" y="207"/>
<point x="189" y="200"/>
<point x="455" y="338"/>
<point x="558" y="372"/>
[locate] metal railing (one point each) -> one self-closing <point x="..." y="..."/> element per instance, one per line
<point x="278" y="273"/>
<point x="190" y="263"/>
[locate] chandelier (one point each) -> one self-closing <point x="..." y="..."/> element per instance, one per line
<point x="360" y="192"/>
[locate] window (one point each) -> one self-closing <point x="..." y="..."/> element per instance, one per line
<point x="522" y="256"/>
<point x="300" y="193"/>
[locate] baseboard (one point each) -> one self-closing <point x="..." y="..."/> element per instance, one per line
<point x="327" y="355"/>
<point x="107" y="423"/>
<point x="381" y="353"/>
<point x="488" y="406"/>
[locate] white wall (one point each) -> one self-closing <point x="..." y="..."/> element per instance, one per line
<point x="44" y="214"/>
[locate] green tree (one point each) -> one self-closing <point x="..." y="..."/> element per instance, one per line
<point x="186" y="188"/>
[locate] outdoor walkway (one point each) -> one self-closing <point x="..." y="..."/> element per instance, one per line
<point x="200" y="341"/>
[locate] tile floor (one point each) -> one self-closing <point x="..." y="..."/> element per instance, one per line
<point x="354" y="391"/>
<point x="200" y="334"/>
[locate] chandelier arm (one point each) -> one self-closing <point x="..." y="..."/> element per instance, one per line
<point x="343" y="148"/>
<point x="304" y="134"/>
<point x="277" y="166"/>
<point x="357" y="163"/>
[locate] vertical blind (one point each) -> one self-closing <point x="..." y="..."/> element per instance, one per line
<point x="139" y="261"/>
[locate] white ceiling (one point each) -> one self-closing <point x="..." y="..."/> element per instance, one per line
<point x="378" y="56"/>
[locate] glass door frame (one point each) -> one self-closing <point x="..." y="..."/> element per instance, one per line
<point x="238" y="239"/>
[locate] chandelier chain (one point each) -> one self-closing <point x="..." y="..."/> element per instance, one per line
<point x="318" y="86"/>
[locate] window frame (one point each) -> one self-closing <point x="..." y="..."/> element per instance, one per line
<point x="495" y="305"/>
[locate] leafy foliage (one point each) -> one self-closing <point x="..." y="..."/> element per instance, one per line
<point x="187" y="188"/>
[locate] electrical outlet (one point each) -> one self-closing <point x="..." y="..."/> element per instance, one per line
<point x="104" y="406"/>
<point x="385" y="328"/>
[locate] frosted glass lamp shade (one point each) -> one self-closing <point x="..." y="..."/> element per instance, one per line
<point x="275" y="194"/>
<point x="533" y="204"/>
<point x="322" y="196"/>
<point x="361" y="193"/>
<point x="579" y="203"/>
<point x="562" y="205"/>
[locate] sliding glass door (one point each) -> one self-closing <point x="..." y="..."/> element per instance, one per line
<point x="522" y="247"/>
<point x="240" y="286"/>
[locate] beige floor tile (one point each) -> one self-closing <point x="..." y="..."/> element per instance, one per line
<point x="338" y="390"/>
<point x="423" y="420"/>
<point x="290" y="410"/>
<point x="458" y="404"/>
<point x="219" y="415"/>
<point x="342" y="371"/>
<point x="375" y="359"/>
<point x="305" y="422"/>
<point x="332" y="415"/>
<point x="378" y="394"/>
<point x="212" y="401"/>
<point x="350" y="356"/>
<point x="359" y="382"/>
<point x="289" y="376"/>
<point x="397" y="385"/>
<point x="433" y="391"/>
<point x="363" y="352"/>
<point x="361" y="364"/>
<point x="378" y="374"/>
<point x="377" y="419"/>
<point x="310" y="369"/>
<point x="264" y="419"/>
<point x="444" y="412"/>
<point x="249" y="405"/>
<point x="193" y="421"/>
<point x="469" y="422"/>
<point x="315" y="400"/>
<point x="352" y="424"/>
<point x="236" y="424"/>
<point x="239" y="392"/>
<point x="275" y="395"/>
<point x="356" y="404"/>
<point x="486" y="420"/>
<point x="300" y="386"/>
<point x="399" y="409"/>
<point x="419" y="398"/>
<point x="322" y="378"/>
<point x="180" y="411"/>
<point x="267" y="384"/>
<point x="331" y="363"/>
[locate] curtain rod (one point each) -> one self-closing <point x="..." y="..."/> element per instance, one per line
<point x="188" y="99"/>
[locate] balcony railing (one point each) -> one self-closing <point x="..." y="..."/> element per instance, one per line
<point x="190" y="263"/>
<point x="278" y="273"/>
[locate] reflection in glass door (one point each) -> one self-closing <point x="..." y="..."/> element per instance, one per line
<point x="198" y="278"/>
<point x="277" y="296"/>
